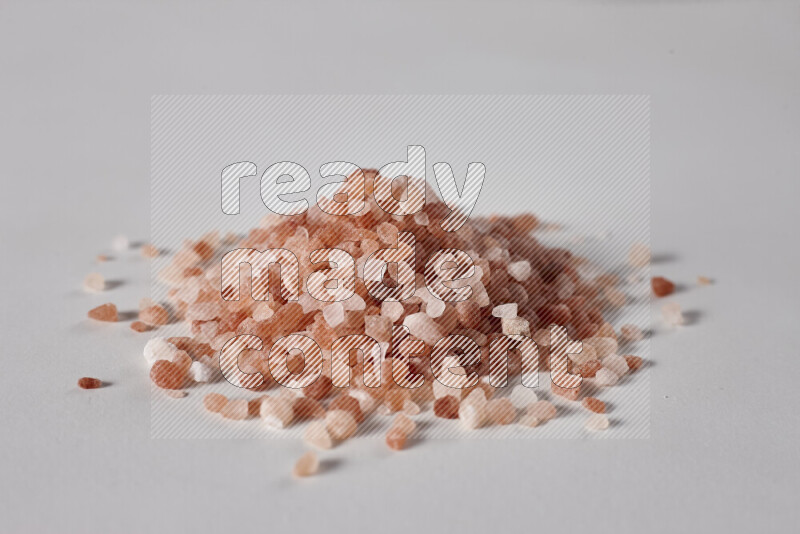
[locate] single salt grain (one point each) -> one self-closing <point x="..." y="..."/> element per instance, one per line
<point x="634" y="362"/>
<point x="305" y="408"/>
<point x="519" y="270"/>
<point x="594" y="405"/>
<point x="175" y="393"/>
<point x="471" y="414"/>
<point x="102" y="258"/>
<point x="158" y="348"/>
<point x="139" y="326"/>
<point x="316" y="435"/>
<point x="365" y="400"/>
<point x="516" y="326"/>
<point x="529" y="421"/>
<point x="672" y="314"/>
<point x="348" y="404"/>
<point x="639" y="255"/>
<point x="631" y="332"/>
<point x="403" y="424"/>
<point x="411" y="408"/>
<point x="89" y="383"/>
<point x="307" y="465"/>
<point x="501" y="411"/>
<point x="571" y="394"/>
<point x="200" y="371"/>
<point x="590" y="368"/>
<point x="521" y="396"/>
<point x="505" y="311"/>
<point x="120" y="243"/>
<point x="396" y="440"/>
<point x="596" y="422"/>
<point x="615" y="363"/>
<point x="104" y="312"/>
<point x="393" y="310"/>
<point x="94" y="282"/>
<point x="606" y="377"/>
<point x="661" y="286"/>
<point x="333" y="314"/>
<point x="276" y="412"/>
<point x="167" y="375"/>
<point x="340" y="424"/>
<point x="154" y="316"/>
<point x="149" y="251"/>
<point x="214" y="402"/>
<point x="446" y="407"/>
<point x="543" y="410"/>
<point x="703" y="281"/>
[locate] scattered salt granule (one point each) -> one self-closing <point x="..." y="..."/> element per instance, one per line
<point x="276" y="412"/>
<point x="543" y="410"/>
<point x="89" y="383"/>
<point x="603" y="346"/>
<point x="672" y="314"/>
<point x="521" y="396"/>
<point x="102" y="258"/>
<point x="154" y="316"/>
<point x="306" y="409"/>
<point x="516" y="326"/>
<point x="606" y="377"/>
<point x="365" y="400"/>
<point x="158" y="348"/>
<point x="446" y="407"/>
<point x="631" y="332"/>
<point x="316" y="435"/>
<point x="168" y="375"/>
<point x="307" y="465"/>
<point x="104" y="312"/>
<point x="615" y="297"/>
<point x="349" y="404"/>
<point x="333" y="314"/>
<point x="423" y="327"/>
<point x="596" y="422"/>
<point x="594" y="405"/>
<point x="634" y="362"/>
<point x="590" y="368"/>
<point x="94" y="282"/>
<point x="472" y="414"/>
<point x="529" y="420"/>
<point x="571" y="394"/>
<point x="214" y="402"/>
<point x="661" y="286"/>
<point x="139" y="326"/>
<point x="616" y="363"/>
<point x="201" y="371"/>
<point x="501" y="411"/>
<point x="175" y="393"/>
<point x="639" y="255"/>
<point x="520" y="270"/>
<point x="703" y="281"/>
<point x="411" y="408"/>
<point x="120" y="243"/>
<point x="340" y="424"/>
<point x="505" y="311"/>
<point x="149" y="251"/>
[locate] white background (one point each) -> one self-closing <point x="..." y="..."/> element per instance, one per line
<point x="724" y="80"/>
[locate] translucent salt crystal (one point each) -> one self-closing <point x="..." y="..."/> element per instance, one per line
<point x="348" y="404"/>
<point x="262" y="311"/>
<point x="596" y="422"/>
<point x="587" y="354"/>
<point x="672" y="314"/>
<point x="472" y="415"/>
<point x="480" y="295"/>
<point x="421" y="218"/>
<point x="505" y="311"/>
<point x="446" y="407"/>
<point x="639" y="255"/>
<point x="435" y="308"/>
<point x="120" y="243"/>
<point x="235" y="409"/>
<point x="543" y="410"/>
<point x="89" y="383"/>
<point x="154" y="315"/>
<point x="340" y="424"/>
<point x="333" y="314"/>
<point x="423" y="327"/>
<point x="411" y="408"/>
<point x="630" y="332"/>
<point x="307" y="465"/>
<point x="634" y="362"/>
<point x="214" y="402"/>
<point x="203" y="311"/>
<point x="661" y="286"/>
<point x="167" y="375"/>
<point x="159" y="348"/>
<point x="378" y="327"/>
<point x="516" y="326"/>
<point x="594" y="405"/>
<point x="276" y="412"/>
<point x="365" y="400"/>
<point x="477" y="396"/>
<point x="200" y="371"/>
<point x="393" y="310"/>
<point x="94" y="282"/>
<point x="104" y="312"/>
<point x="521" y="396"/>
<point x="403" y="424"/>
<point x="529" y="421"/>
<point x="703" y="281"/>
<point x="501" y="411"/>
<point x="603" y="346"/>
<point x="606" y="377"/>
<point x="615" y="363"/>
<point x="354" y="303"/>
<point x="316" y="435"/>
<point x="396" y="440"/>
<point x="519" y="270"/>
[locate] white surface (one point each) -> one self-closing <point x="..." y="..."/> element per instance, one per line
<point x="724" y="79"/>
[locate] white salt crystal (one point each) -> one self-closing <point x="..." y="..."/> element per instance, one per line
<point x="505" y="311"/>
<point x="120" y="243"/>
<point x="521" y="396"/>
<point x="201" y="371"/>
<point x="606" y="377"/>
<point x="519" y="270"/>
<point x="94" y="282"/>
<point x="596" y="422"/>
<point x="616" y="363"/>
<point x="672" y="314"/>
<point x="159" y="348"/>
<point x="333" y="314"/>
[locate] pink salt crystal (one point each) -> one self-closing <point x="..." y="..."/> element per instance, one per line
<point x="102" y="258"/>
<point x="594" y="405"/>
<point x="378" y="327"/>
<point x="396" y="440"/>
<point x="421" y="218"/>
<point x="501" y="411"/>
<point x="139" y="326"/>
<point x="94" y="282"/>
<point x="262" y="311"/>
<point x="631" y="332"/>
<point x="571" y="394"/>
<point x="521" y="396"/>
<point x="387" y="233"/>
<point x="587" y="354"/>
<point x="634" y="362"/>
<point x="639" y="255"/>
<point x="306" y="408"/>
<point x="154" y="316"/>
<point x="603" y="346"/>
<point x="201" y="371"/>
<point x="703" y="281"/>
<point x="149" y="251"/>
<point x="446" y="407"/>
<point x="596" y="422"/>
<point x="175" y="394"/>
<point x="365" y="400"/>
<point x="316" y="435"/>
<point x="89" y="383"/>
<point x="423" y="327"/>
<point x="672" y="314"/>
<point x="340" y="424"/>
<point x="392" y="310"/>
<point x="516" y="326"/>
<point x="615" y="363"/>
<point x="529" y="421"/>
<point x="120" y="243"/>
<point x="435" y="308"/>
<point x="276" y="412"/>
<point x="333" y="314"/>
<point x="167" y="375"/>
<point x="307" y="465"/>
<point x="519" y="270"/>
<point x="606" y="377"/>
<point x="403" y="424"/>
<point x="236" y="409"/>
<point x="469" y="313"/>
<point x="349" y="404"/>
<point x="354" y="303"/>
<point x="615" y="297"/>
<point x="411" y="408"/>
<point x="543" y="410"/>
<point x="505" y="311"/>
<point x="104" y="312"/>
<point x="472" y="415"/>
<point x="214" y="402"/>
